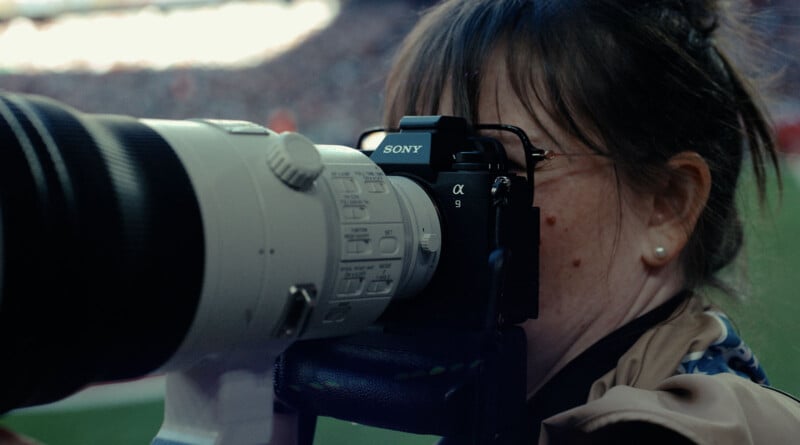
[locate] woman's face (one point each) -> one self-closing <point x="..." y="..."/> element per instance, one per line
<point x="593" y="230"/>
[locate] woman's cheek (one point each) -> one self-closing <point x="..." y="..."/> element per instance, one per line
<point x="552" y="242"/>
<point x="560" y="250"/>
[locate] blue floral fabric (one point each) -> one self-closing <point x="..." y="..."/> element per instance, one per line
<point x="728" y="354"/>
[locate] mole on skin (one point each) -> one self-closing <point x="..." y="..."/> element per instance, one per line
<point x="550" y="220"/>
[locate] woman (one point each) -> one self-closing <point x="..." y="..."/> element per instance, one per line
<point x="648" y="124"/>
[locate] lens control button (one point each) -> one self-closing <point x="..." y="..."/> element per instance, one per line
<point x="349" y="287"/>
<point x="430" y="242"/>
<point x="379" y="287"/>
<point x="375" y="187"/>
<point x="388" y="245"/>
<point x="353" y="212"/>
<point x="357" y="246"/>
<point x="345" y="185"/>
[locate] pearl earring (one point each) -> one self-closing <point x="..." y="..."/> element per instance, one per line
<point x="661" y="252"/>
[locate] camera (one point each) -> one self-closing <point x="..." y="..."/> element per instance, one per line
<point x="206" y="249"/>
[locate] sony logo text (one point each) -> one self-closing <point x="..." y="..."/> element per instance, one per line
<point x="398" y="149"/>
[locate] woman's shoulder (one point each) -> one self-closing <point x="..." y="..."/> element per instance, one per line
<point x="701" y="409"/>
<point x="694" y="339"/>
<point x="689" y="379"/>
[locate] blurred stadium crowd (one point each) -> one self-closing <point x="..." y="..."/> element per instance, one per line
<point x="330" y="86"/>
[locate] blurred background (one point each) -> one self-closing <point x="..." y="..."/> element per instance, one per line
<point x="318" y="67"/>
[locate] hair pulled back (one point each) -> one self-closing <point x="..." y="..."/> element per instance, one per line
<point x="635" y="80"/>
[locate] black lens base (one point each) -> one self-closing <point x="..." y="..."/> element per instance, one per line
<point x="102" y="250"/>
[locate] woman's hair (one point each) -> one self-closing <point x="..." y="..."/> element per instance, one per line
<point x="635" y="80"/>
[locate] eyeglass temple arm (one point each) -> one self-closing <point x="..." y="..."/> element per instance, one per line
<point x="532" y="154"/>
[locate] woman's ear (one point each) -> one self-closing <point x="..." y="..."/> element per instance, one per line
<point x="677" y="205"/>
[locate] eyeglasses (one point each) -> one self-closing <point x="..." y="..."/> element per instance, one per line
<point x="533" y="155"/>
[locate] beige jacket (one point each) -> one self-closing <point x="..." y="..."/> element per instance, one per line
<point x="646" y="389"/>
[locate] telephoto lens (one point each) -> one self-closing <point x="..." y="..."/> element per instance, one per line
<point x="132" y="246"/>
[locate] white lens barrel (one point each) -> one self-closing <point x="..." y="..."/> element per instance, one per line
<point x="295" y="251"/>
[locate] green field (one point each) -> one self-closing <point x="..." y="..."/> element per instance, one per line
<point x="767" y="318"/>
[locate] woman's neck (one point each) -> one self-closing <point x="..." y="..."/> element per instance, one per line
<point x="549" y="353"/>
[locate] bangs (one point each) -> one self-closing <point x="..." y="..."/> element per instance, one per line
<point x="447" y="55"/>
<point x="549" y="67"/>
